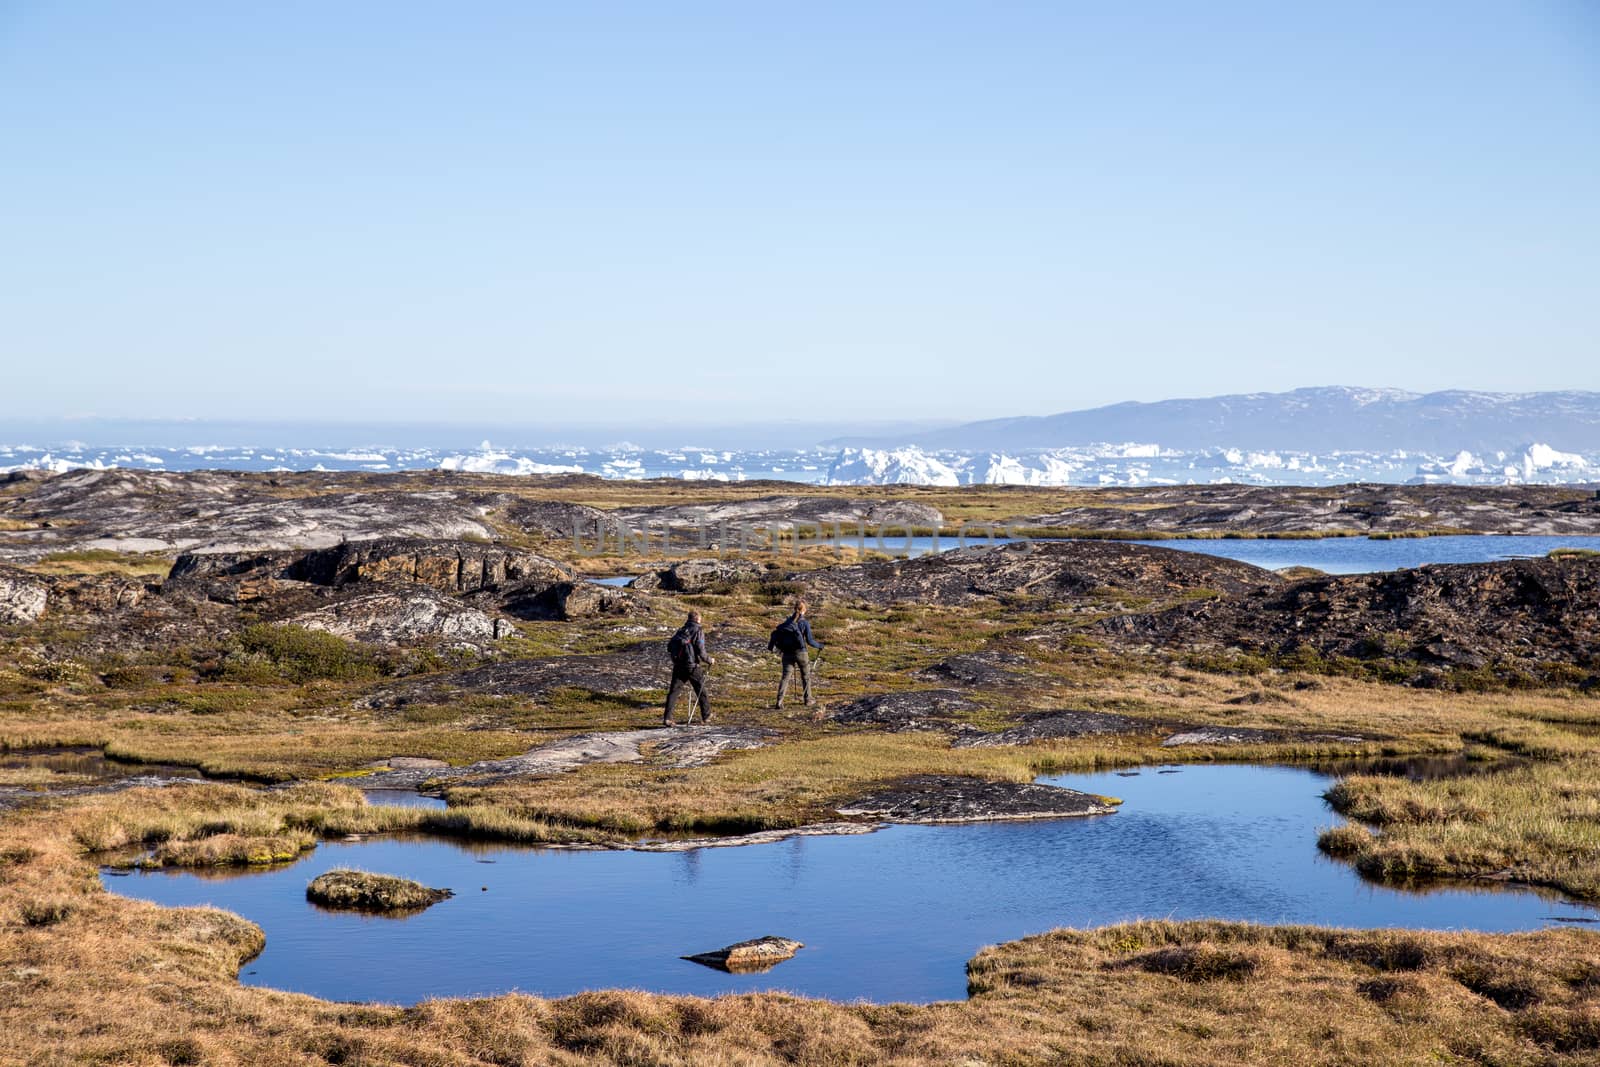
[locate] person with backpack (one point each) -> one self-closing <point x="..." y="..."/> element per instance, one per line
<point x="792" y="638"/>
<point x="687" y="650"/>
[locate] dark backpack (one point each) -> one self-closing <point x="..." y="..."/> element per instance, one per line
<point x="681" y="648"/>
<point x="786" y="638"/>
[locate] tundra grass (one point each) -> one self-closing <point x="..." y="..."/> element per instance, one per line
<point x="1538" y="823"/>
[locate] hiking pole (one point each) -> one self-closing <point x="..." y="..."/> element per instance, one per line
<point x="816" y="684"/>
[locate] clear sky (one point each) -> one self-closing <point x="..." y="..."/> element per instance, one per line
<point x="713" y="213"/>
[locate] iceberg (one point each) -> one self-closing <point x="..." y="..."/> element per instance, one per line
<point x="901" y="466"/>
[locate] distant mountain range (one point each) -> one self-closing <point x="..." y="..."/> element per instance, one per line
<point x="1321" y="420"/>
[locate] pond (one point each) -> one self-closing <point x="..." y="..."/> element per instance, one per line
<point x="1335" y="555"/>
<point x="887" y="916"/>
<point x="89" y="764"/>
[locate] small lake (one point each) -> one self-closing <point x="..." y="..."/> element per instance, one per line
<point x="888" y="916"/>
<point x="1335" y="555"/>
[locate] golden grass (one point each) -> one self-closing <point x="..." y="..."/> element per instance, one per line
<point x="1538" y="823"/>
<point x="226" y="825"/>
<point x="104" y="561"/>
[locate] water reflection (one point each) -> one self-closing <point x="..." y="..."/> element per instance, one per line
<point x="887" y="916"/>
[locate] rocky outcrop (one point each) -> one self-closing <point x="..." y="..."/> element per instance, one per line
<point x="229" y="511"/>
<point x="222" y="511"/>
<point x="491" y="578"/>
<point x="776" y="512"/>
<point x="457" y="568"/>
<point x="643" y="666"/>
<point x="576" y="599"/>
<point x="1288" y="509"/>
<point x="95" y="594"/>
<point x="554" y="518"/>
<point x="699" y="575"/>
<point x="394" y="617"/>
<point x="1093" y="574"/>
<point x="23" y="596"/>
<point x="1539" y="617"/>
<point x="980" y="670"/>
<point x="454" y="567"/>
<point x="922" y="709"/>
<point x="936" y="798"/>
<point x="685" y="748"/>
<point x="1054" y="725"/>
<point x="1243" y="735"/>
<point x="760" y="954"/>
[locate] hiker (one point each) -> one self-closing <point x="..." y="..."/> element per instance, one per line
<point x="689" y="662"/>
<point x="791" y="638"/>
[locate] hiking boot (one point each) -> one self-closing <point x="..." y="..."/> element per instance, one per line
<point x="668" y="723"/>
<point x="705" y="717"/>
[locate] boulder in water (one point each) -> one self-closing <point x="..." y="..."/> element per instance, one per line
<point x="746" y="956"/>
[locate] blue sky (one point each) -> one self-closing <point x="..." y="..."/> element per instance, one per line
<point x="714" y="213"/>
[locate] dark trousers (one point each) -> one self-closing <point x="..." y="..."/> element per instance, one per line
<point x="795" y="661"/>
<point x="695" y="678"/>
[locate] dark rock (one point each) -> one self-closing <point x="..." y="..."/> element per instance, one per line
<point x="761" y="954"/>
<point x="453" y="567"/>
<point x="983" y="670"/>
<point x="640" y="667"/>
<point x="1289" y="509"/>
<point x="1539" y="616"/>
<point x="1056" y="724"/>
<point x="934" y="798"/>
<point x="776" y="512"/>
<point x="555" y="518"/>
<point x="699" y="575"/>
<point x="95" y="594"/>
<point x="1092" y="573"/>
<point x="923" y="709"/>
<point x="574" y="599"/>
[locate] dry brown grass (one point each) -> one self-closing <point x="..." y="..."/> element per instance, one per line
<point x="1538" y="823"/>
<point x="104" y="561"/>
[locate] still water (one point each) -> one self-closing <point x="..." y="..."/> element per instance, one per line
<point x="888" y="916"/>
<point x="1335" y="555"/>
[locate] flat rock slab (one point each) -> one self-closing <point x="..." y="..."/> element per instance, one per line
<point x="1053" y="725"/>
<point x="760" y="837"/>
<point x="686" y="747"/>
<point x="412" y="763"/>
<point x="746" y="956"/>
<point x="16" y="797"/>
<point x="1243" y="735"/>
<point x="983" y="670"/>
<point x="922" y="709"/>
<point x="939" y="798"/>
